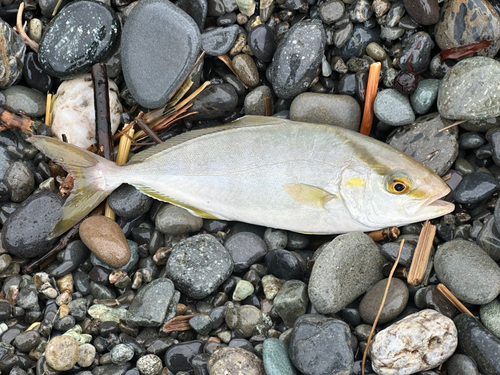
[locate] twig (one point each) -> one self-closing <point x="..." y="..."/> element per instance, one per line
<point x="449" y="295"/>
<point x="48" y="110"/>
<point x="102" y="112"/>
<point x="20" y="29"/>
<point x="268" y="106"/>
<point x="9" y="120"/>
<point x="179" y="323"/>
<point x="371" y="93"/>
<point x="380" y="308"/>
<point x="390" y="233"/>
<point x="149" y="132"/>
<point x="56" y="8"/>
<point x="421" y="254"/>
<point x="452" y="125"/>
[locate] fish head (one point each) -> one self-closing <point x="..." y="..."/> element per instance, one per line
<point x="392" y="189"/>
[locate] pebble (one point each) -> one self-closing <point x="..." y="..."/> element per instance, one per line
<point x="235" y="361"/>
<point x="73" y="113"/>
<point x="20" y="180"/>
<point x="178" y="357"/>
<point x="464" y="22"/>
<point x="201" y="323"/>
<point x="430" y="297"/>
<point x="134" y="258"/>
<point x="121" y="354"/>
<point x="393" y="108"/>
<point x="153" y="74"/>
<point x="219" y="41"/>
<point x="346" y="268"/>
<point x="35" y="28"/>
<point x="416" y="54"/>
<point x="283" y="264"/>
<point x="291" y="301"/>
<point x="174" y="220"/>
<point x="22" y="98"/>
<point x="297" y="58"/>
<point x="261" y="42"/>
<point x="149" y="364"/>
<point x="478" y="79"/>
<point x="275" y="358"/>
<point x="375" y="51"/>
<point x="105" y="314"/>
<point x="62" y="353"/>
<point x="199" y="265"/>
<point x="128" y="202"/>
<point x="470" y="274"/>
<point x="25" y="232"/>
<point x="478" y="343"/>
<point x="86" y="355"/>
<point x="341" y="36"/>
<point x="356" y="43"/>
<point x="255" y="101"/>
<point x="425" y="95"/>
<point x="475" y="187"/>
<point x="13" y="50"/>
<point x="431" y="336"/>
<point x="216" y="100"/>
<point x="242" y="290"/>
<point x="489" y="239"/>
<point x="490" y="317"/>
<point x="106" y="240"/>
<point x="312" y="331"/>
<point x="396" y="301"/>
<point x="338" y="110"/>
<point x="27" y="341"/>
<point x="243" y="319"/>
<point x="83" y="33"/>
<point x="246" y="70"/>
<point x="460" y="364"/>
<point x="34" y="75"/>
<point x="271" y="286"/>
<point x="197" y="9"/>
<point x="423" y="142"/>
<point x="390" y="251"/>
<point x="245" y="248"/>
<point x="331" y="11"/>
<point x="424" y="12"/>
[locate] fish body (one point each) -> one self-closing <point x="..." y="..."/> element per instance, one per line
<point x="302" y="177"/>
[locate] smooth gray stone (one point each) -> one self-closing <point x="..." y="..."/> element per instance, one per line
<point x="489" y="239"/>
<point x="220" y="40"/>
<point x="150" y="305"/>
<point x="460" y="364"/>
<point x="255" y="101"/>
<point x="396" y="301"/>
<point x="275" y="358"/>
<point x="29" y="101"/>
<point x="470" y="274"/>
<point x="490" y="316"/>
<point x="197" y="9"/>
<point x="159" y="46"/>
<point x="424" y="96"/>
<point x="478" y="97"/>
<point x="393" y="108"/>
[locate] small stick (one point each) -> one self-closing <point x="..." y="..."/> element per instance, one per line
<point x="371" y="93"/>
<point x="102" y="112"/>
<point x="381" y="307"/>
<point x="449" y="295"/>
<point x="452" y="125"/>
<point x="178" y="323"/>
<point x="9" y="120"/>
<point x="56" y="8"/>
<point x="149" y="132"/>
<point x="48" y="112"/>
<point x="268" y="106"/>
<point x="226" y="60"/>
<point x="390" y="233"/>
<point x="421" y="254"/>
<point x="20" y="29"/>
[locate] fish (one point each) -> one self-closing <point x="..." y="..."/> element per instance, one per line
<point x="302" y="177"/>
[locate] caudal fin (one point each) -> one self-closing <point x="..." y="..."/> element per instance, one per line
<point x="88" y="171"/>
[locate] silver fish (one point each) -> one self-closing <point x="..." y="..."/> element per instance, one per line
<point x="302" y="177"/>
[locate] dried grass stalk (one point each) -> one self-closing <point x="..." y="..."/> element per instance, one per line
<point x="421" y="255"/>
<point x="449" y="295"/>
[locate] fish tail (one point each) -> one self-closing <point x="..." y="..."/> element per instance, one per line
<point x="94" y="179"/>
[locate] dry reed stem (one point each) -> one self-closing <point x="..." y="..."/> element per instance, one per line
<point x="20" y="29"/>
<point x="449" y="295"/>
<point x="452" y="125"/>
<point x="421" y="254"/>
<point x="48" y="110"/>
<point x="371" y="93"/>
<point x="380" y="308"/>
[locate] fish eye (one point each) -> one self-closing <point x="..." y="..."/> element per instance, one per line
<point x="398" y="184"/>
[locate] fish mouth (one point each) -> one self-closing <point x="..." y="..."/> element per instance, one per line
<point x="436" y="207"/>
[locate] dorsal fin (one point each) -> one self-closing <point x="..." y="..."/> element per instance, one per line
<point x="244" y="122"/>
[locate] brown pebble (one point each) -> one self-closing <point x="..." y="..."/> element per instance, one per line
<point x="63" y="311"/>
<point x="106" y="240"/>
<point x="65" y="283"/>
<point x="235" y="361"/>
<point x="246" y="70"/>
<point x="62" y="353"/>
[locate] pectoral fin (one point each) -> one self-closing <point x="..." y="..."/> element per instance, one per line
<point x="309" y="195"/>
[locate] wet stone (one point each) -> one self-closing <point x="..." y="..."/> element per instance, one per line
<point x="21" y="98"/>
<point x="297" y="58"/>
<point x="197" y="9"/>
<point x="219" y="41"/>
<point x="430" y="297"/>
<point x="245" y="69"/>
<point x="153" y="74"/>
<point x="396" y="301"/>
<point x="71" y="258"/>
<point x="424" y="12"/>
<point x="460" y="364"/>
<point x="150" y="305"/>
<point x="475" y="187"/>
<point x="346" y="268"/>
<point x="62" y="353"/>
<point x="242" y="290"/>
<point x="283" y="264"/>
<point x="470" y="274"/>
<point x="431" y="335"/>
<point x="356" y="44"/>
<point x="106" y="240"/>
<point x="199" y="265"/>
<point x="128" y="202"/>
<point x="470" y="140"/>
<point x="179" y="357"/>
<point x="243" y="319"/>
<point x="416" y="53"/>
<point x="25" y="232"/>
<point x="245" y="248"/>
<point x="201" y="323"/>
<point x="490" y="317"/>
<point x="13" y="49"/>
<point x="232" y="360"/>
<point x="338" y="110"/>
<point x="478" y="78"/>
<point x="271" y="286"/>
<point x="425" y="95"/>
<point x="478" y="343"/>
<point x="393" y="108"/>
<point x="464" y="22"/>
<point x="390" y="251"/>
<point x="275" y="358"/>
<point x="175" y="220"/>
<point x="255" y="101"/>
<point x="83" y="33"/>
<point x="311" y="332"/>
<point x="27" y="341"/>
<point x="121" y="354"/>
<point x="423" y="142"/>
<point x="215" y="101"/>
<point x="34" y="75"/>
<point x="261" y="42"/>
<point x="291" y="301"/>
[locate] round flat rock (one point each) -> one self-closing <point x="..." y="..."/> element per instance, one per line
<point x="159" y="46"/>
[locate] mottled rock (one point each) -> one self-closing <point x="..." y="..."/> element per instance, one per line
<point x="490" y="316"/>
<point x="291" y="301"/>
<point x="255" y="101"/>
<point x="357" y="42"/>
<point x="416" y="53"/>
<point x="20" y="180"/>
<point x="235" y="361"/>
<point x="338" y="110"/>
<point x="62" y="353"/>
<point x="11" y="59"/>
<point x="243" y="319"/>
<point x="275" y="358"/>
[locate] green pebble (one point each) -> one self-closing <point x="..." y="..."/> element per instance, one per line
<point x="107" y="314"/>
<point x="424" y="96"/>
<point x="275" y="358"/>
<point x="375" y="51"/>
<point x="243" y="290"/>
<point x="490" y="316"/>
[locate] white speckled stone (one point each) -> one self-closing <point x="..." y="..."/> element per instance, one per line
<point x="419" y="342"/>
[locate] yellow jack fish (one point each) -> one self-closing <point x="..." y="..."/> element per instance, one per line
<point x="302" y="177"/>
